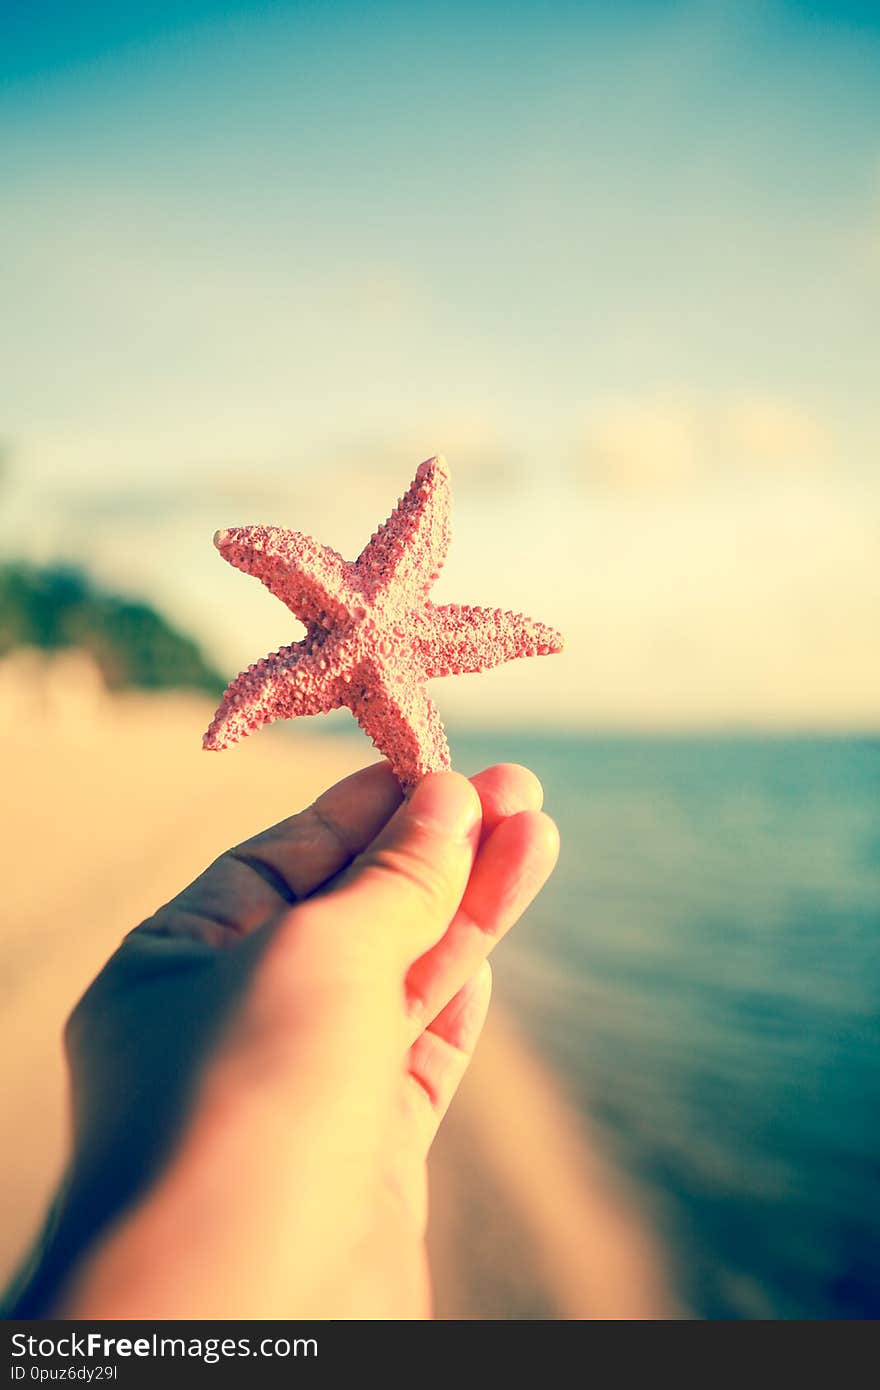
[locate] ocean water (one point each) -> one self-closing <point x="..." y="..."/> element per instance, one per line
<point x="704" y="971"/>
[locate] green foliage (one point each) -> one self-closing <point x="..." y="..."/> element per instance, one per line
<point x="58" y="606"/>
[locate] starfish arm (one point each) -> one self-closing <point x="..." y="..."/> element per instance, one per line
<point x="409" y="549"/>
<point x="291" y="682"/>
<point x="465" y="639"/>
<point x="311" y="579"/>
<point x="404" y="724"/>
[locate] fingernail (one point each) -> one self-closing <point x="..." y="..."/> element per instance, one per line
<point x="448" y="803"/>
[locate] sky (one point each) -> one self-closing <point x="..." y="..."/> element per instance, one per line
<point x="620" y="264"/>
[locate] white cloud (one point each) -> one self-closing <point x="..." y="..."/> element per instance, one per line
<point x="668" y="442"/>
<point x="762" y="431"/>
<point x="647" y="442"/>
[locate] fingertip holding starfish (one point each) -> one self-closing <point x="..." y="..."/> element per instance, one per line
<point x="373" y="637"/>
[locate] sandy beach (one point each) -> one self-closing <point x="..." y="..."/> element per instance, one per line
<point x="110" y="807"/>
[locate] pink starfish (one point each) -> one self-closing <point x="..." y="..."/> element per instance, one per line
<point x="373" y="636"/>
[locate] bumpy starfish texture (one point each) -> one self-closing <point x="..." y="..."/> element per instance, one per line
<point x="373" y="637"/>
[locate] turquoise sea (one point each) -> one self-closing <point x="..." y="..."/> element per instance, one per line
<point x="704" y="971"/>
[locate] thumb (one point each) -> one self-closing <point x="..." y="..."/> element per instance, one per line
<point x="404" y="890"/>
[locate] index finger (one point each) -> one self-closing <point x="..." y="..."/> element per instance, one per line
<point x="247" y="884"/>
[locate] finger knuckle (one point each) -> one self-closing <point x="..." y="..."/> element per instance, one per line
<point x="405" y="865"/>
<point x="313" y="825"/>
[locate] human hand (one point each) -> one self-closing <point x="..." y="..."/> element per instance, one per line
<point x="260" y="1070"/>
